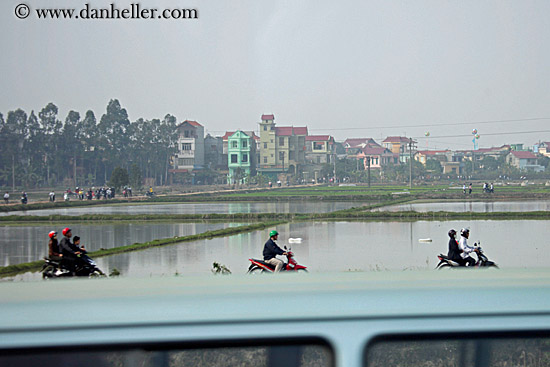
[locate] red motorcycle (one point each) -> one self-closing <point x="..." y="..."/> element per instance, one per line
<point x="259" y="266"/>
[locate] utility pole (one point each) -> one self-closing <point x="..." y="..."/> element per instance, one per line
<point x="410" y="162"/>
<point x="334" y="161"/>
<point x="368" y="168"/>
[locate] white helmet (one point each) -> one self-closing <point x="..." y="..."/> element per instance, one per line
<point x="464" y="231"/>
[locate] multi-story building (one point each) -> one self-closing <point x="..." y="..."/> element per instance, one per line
<point x="320" y="150"/>
<point x="190" y="153"/>
<point x="354" y="146"/>
<point x="544" y="148"/>
<point x="375" y="157"/>
<point x="241" y="152"/>
<point x="256" y="138"/>
<point x="524" y="161"/>
<point x="282" y="149"/>
<point x="213" y="152"/>
<point x="400" y="147"/>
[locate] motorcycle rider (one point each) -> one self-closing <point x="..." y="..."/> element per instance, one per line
<point x="454" y="250"/>
<point x="271" y="250"/>
<point x="69" y="251"/>
<point x="54" y="252"/>
<point x="466" y="250"/>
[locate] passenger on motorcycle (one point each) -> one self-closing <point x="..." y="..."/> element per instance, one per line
<point x="54" y="253"/>
<point x="271" y="250"/>
<point x="466" y="250"/>
<point x="69" y="251"/>
<point x="454" y="250"/>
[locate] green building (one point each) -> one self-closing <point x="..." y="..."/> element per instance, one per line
<point x="241" y="157"/>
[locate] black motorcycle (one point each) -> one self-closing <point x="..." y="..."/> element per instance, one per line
<point x="482" y="261"/>
<point x="85" y="267"/>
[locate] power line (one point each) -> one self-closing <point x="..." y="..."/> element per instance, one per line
<point x="486" y="134"/>
<point x="436" y="124"/>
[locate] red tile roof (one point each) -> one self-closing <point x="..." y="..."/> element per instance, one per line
<point x="290" y="130"/>
<point x="268" y="117"/>
<point x="356" y="142"/>
<point x="396" y="139"/>
<point x="193" y="123"/>
<point x="319" y="138"/>
<point x="432" y="152"/>
<point x="375" y="151"/>
<point x="523" y="155"/>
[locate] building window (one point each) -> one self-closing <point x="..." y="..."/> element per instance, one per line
<point x="234" y="144"/>
<point x="186" y="161"/>
<point x="265" y="145"/>
<point x="265" y="127"/>
<point x="245" y="144"/>
<point x="245" y="158"/>
<point x="187" y="146"/>
<point x="281" y="142"/>
<point x="265" y="159"/>
<point x="291" y="156"/>
<point x="281" y="156"/>
<point x="318" y="145"/>
<point x="234" y="158"/>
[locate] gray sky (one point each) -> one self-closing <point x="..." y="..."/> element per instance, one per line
<point x="347" y="68"/>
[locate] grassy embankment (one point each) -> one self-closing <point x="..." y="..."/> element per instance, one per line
<point x="381" y="196"/>
<point x="12" y="270"/>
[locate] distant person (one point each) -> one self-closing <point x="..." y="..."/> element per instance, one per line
<point x="24" y="198"/>
<point x="491" y="188"/>
<point x="470" y="189"/>
<point x="7" y="198"/>
<point x="464" y="188"/>
<point x="52" y="196"/>
<point x="271" y="250"/>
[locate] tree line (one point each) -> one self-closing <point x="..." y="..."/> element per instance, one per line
<point x="41" y="150"/>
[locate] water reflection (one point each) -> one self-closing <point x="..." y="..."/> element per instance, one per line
<point x="346" y="246"/>
<point x="333" y="246"/>
<point x="198" y="208"/>
<point x="471" y="206"/>
<point x="19" y="244"/>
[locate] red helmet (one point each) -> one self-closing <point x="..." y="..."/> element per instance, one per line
<point x="52" y="234"/>
<point x="65" y="231"/>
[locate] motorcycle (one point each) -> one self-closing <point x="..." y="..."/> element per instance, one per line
<point x="259" y="266"/>
<point x="482" y="260"/>
<point x="85" y="267"/>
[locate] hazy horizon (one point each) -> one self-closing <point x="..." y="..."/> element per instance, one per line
<point x="347" y="69"/>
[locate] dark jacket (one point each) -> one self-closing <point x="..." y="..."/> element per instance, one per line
<point x="53" y="248"/>
<point x="67" y="248"/>
<point x="454" y="250"/>
<point x="271" y="250"/>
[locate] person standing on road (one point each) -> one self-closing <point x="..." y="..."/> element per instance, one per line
<point x="7" y="198"/>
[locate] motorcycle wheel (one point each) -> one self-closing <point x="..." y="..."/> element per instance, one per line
<point x="255" y="271"/>
<point x="47" y="272"/>
<point x="444" y="266"/>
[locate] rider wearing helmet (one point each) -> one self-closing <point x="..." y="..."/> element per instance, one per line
<point x="454" y="250"/>
<point x="68" y="249"/>
<point x="54" y="253"/>
<point x="271" y="250"/>
<point x="465" y="249"/>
